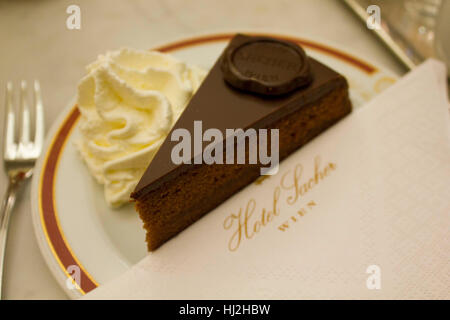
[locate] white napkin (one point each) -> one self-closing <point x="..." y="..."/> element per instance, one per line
<point x="375" y="226"/>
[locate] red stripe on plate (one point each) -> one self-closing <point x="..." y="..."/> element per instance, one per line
<point x="310" y="44"/>
<point x="55" y="236"/>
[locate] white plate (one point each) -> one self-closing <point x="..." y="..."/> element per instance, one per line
<point x="77" y="233"/>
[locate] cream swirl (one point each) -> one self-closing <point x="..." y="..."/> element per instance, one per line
<point x="129" y="101"/>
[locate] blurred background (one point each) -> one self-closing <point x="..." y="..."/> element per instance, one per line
<point x="412" y="29"/>
<point x="37" y="44"/>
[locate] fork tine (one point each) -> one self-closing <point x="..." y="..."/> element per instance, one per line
<point x="39" y="124"/>
<point x="25" y="115"/>
<point x="9" y="145"/>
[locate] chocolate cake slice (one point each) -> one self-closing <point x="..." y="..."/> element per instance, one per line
<point x="259" y="83"/>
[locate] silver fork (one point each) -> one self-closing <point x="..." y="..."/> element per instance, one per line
<point x="19" y="157"/>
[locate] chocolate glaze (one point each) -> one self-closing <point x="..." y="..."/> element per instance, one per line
<point x="221" y="106"/>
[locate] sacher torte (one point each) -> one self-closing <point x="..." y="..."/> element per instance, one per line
<point x="260" y="83"/>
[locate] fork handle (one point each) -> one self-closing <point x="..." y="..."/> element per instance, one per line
<point x="5" y="214"/>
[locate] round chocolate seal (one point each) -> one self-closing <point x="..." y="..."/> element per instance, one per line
<point x="266" y="66"/>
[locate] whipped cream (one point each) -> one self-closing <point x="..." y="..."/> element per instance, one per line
<point x="129" y="101"/>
